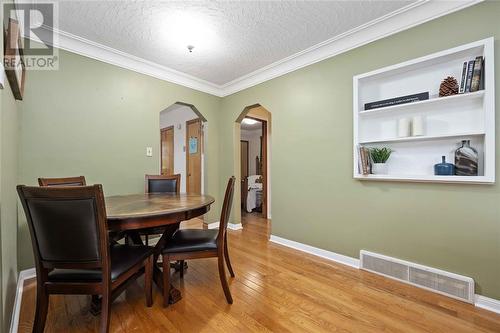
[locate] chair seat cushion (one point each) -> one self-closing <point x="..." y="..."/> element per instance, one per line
<point x="191" y="240"/>
<point x="123" y="257"/>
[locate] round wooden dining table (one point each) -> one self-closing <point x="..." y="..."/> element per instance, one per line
<point x="134" y="212"/>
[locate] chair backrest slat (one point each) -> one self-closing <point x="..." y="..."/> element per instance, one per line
<point x="67" y="225"/>
<point x="226" y="209"/>
<point x="162" y="183"/>
<point x="68" y="181"/>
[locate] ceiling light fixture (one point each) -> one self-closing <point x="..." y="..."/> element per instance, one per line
<point x="249" y="121"/>
<point x="183" y="29"/>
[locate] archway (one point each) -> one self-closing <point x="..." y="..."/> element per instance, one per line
<point x="183" y="131"/>
<point x="257" y="113"/>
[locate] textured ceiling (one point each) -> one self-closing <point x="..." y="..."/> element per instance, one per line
<point x="231" y="38"/>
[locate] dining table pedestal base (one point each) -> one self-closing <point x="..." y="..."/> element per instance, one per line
<point x="129" y="214"/>
<point x="175" y="294"/>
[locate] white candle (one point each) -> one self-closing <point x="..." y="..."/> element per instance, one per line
<point x="417" y="126"/>
<point x="403" y="127"/>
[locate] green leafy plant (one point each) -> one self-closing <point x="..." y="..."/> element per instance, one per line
<point x="380" y="155"/>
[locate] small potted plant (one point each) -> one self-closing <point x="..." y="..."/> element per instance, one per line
<point x="379" y="158"/>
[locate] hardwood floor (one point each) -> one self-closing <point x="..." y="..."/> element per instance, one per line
<point x="276" y="289"/>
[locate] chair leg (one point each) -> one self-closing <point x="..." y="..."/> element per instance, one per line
<point x="222" y="275"/>
<point x="147" y="240"/>
<point x="42" y="307"/>
<point x="105" y="312"/>
<point x="148" y="281"/>
<point x="166" y="279"/>
<point x="226" y="256"/>
<point x="95" y="305"/>
<point x="181" y="266"/>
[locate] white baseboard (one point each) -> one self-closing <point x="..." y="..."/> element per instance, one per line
<point x="487" y="303"/>
<point x="23" y="275"/>
<point x="232" y="226"/>
<point x="482" y="302"/>
<point x="213" y="225"/>
<point x="340" y="258"/>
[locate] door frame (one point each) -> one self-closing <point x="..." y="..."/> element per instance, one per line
<point x="164" y="129"/>
<point x="200" y="147"/>
<point x="263" y="161"/>
<point x="242" y="181"/>
<point x="248" y="153"/>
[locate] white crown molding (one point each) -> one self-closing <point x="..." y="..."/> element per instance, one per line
<point x="407" y="17"/>
<point x="75" y="44"/>
<point x="397" y="21"/>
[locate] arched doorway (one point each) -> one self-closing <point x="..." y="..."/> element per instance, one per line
<point x="252" y="145"/>
<point x="183" y="131"/>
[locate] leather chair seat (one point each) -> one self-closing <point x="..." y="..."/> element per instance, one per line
<point x="187" y="240"/>
<point x="122" y="257"/>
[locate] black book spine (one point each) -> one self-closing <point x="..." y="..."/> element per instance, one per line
<point x="470" y="69"/>
<point x="476" y="74"/>
<point x="481" y="81"/>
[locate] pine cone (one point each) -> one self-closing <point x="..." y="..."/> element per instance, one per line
<point x="448" y="87"/>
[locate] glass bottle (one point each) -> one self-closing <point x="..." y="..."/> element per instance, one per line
<point x="466" y="160"/>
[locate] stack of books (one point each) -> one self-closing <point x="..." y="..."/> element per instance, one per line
<point x="364" y="161"/>
<point x="472" y="76"/>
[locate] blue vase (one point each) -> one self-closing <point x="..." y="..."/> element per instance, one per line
<point x="444" y="169"/>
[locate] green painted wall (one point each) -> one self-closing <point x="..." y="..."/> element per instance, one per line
<point x="95" y="119"/>
<point x="9" y="148"/>
<point x="8" y="198"/>
<point x="316" y="201"/>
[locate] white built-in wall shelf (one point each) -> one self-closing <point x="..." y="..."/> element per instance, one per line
<point x="447" y="120"/>
<point x="433" y="102"/>
<point x="424" y="137"/>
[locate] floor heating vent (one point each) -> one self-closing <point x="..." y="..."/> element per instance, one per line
<point x="442" y="282"/>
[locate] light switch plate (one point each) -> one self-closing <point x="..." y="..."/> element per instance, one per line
<point x="149" y="151"/>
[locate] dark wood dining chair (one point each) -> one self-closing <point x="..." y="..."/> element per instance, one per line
<point x="201" y="243"/>
<point x="160" y="184"/>
<point x="75" y="181"/>
<point x="68" y="181"/>
<point x="72" y="253"/>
